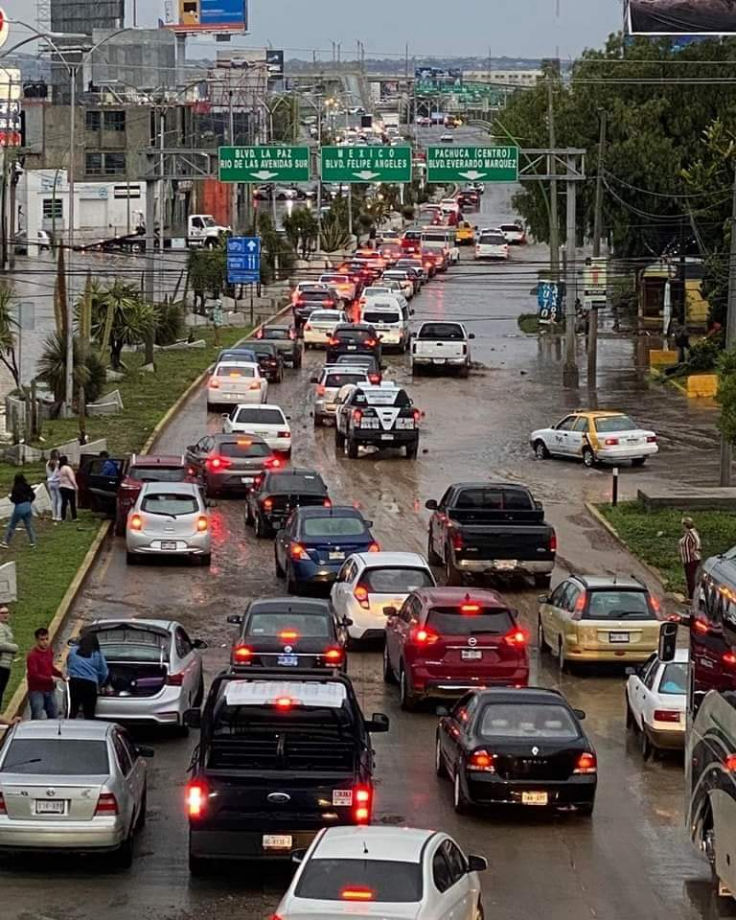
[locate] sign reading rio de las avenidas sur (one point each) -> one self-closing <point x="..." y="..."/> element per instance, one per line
<point x="272" y="163"/>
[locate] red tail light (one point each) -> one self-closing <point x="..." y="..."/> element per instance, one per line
<point x="469" y="609"/>
<point x="283" y="703"/>
<point x="357" y="416"/>
<point x="273" y="463"/>
<point x="580" y="603"/>
<point x="292" y="334"/>
<point x="374" y="378"/>
<point x="652" y="439"/>
<point x="362" y="804"/>
<point x="553" y="542"/>
<point x="107" y="804"/>
<point x="481" y="762"/>
<point x="374" y="547"/>
<point x="457" y="540"/>
<point x="370" y="342"/>
<point x="197" y="793"/>
<point x="334" y="655"/>
<point x="297" y="551"/>
<point x="333" y="341"/>
<point x="218" y="463"/>
<point x="267" y="504"/>
<point x="587" y="763"/>
<point x="656" y="607"/>
<point x="135" y="522"/>
<point x="329" y="303"/>
<point x="259" y="333"/>
<point x="423" y="635"/>
<point x="321" y="389"/>
<point x="288" y="635"/>
<point x="214" y="383"/>
<point x="283" y="434"/>
<point x="175" y="680"/>
<point x="242" y="653"/>
<point x="610" y="442"/>
<point x="700" y="626"/>
<point x="729" y="763"/>
<point x="202" y="524"/>
<point x="417" y="416"/>
<point x="666" y="715"/>
<point x="307" y="327"/>
<point x="729" y="658"/>
<point x="327" y="503"/>
<point x="517" y="638"/>
<point x="3" y="809"/>
<point x="361" y="596"/>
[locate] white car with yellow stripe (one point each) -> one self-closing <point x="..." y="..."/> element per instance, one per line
<point x="595" y="437"/>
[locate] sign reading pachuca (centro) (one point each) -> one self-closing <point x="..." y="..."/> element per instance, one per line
<point x="274" y="163"/>
<point x="366" y="164"/>
<point x="473" y="164"/>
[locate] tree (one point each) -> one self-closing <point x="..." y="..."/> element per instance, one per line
<point x="207" y="273"/>
<point x="89" y="374"/>
<point x="277" y="256"/>
<point x="726" y="395"/>
<point x="120" y="317"/>
<point x="302" y="230"/>
<point x="8" y="327"/>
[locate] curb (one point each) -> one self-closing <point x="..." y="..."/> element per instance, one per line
<point x="596" y="514"/>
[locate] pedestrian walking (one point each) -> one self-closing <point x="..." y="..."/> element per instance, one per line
<point x="68" y="488"/>
<point x="690" y="553"/>
<point x="22" y="497"/>
<point x="40" y="674"/>
<point x="87" y="670"/>
<point x="682" y="342"/>
<point x="8" y="650"/>
<point x="52" y="484"/>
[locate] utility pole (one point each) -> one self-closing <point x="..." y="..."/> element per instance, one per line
<point x="597" y="231"/>
<point x="570" y="376"/>
<point x="554" y="229"/>
<point x="726" y="445"/>
<point x="69" y="371"/>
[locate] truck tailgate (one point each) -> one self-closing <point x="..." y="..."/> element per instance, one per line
<point x="427" y="348"/>
<point x="505" y="541"/>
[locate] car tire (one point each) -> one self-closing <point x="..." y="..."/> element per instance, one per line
<point x="412" y="450"/>
<point x="339" y="440"/>
<point x="124" y="853"/>
<point x="199" y="696"/>
<point x="260" y="528"/>
<point x="388" y="672"/>
<point x="277" y="565"/>
<point x="432" y="557"/>
<point x="197" y="866"/>
<point x="439" y="765"/>
<point x="542" y="581"/>
<point x="318" y="421"/>
<point x="561" y="657"/>
<point x="407" y="699"/>
<point x="543" y="646"/>
<point x="647" y="750"/>
<point x="588" y="457"/>
<point x="292" y="586"/>
<point x="452" y="575"/>
<point x="540" y="450"/>
<point x="119" y="527"/>
<point x="638" y="461"/>
<point x="131" y="558"/>
<point x="205" y="560"/>
<point x="479" y="912"/>
<point x="248" y="515"/>
<point x="586" y="810"/>
<point x="630" y="720"/>
<point x="459" y="799"/>
<point x="140" y="821"/>
<point x="352" y="449"/>
<point x="464" y="372"/>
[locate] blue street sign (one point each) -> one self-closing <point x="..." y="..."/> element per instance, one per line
<point x="549" y="301"/>
<point x="243" y="259"/>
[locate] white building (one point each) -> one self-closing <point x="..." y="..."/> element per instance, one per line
<point x="504" y="77"/>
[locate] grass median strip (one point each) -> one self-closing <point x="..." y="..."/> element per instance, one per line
<point x="653" y="535"/>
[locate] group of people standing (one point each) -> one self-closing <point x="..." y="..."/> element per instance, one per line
<point x="61" y="483"/>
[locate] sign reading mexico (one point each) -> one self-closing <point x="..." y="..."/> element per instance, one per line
<point x="680" y="17"/>
<point x="212" y="16"/>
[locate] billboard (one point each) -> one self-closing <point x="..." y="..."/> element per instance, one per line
<point x="275" y="61"/>
<point x="680" y="17"/>
<point x="227" y="16"/>
<point x="10" y="105"/>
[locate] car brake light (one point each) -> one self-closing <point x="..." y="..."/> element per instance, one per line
<point x="297" y="551"/>
<point x="666" y="715"/>
<point x="417" y="416"/>
<point x="107" y="804"/>
<point x="267" y="504"/>
<point x="259" y="333"/>
<point x="327" y="503"/>
<point x="374" y="378"/>
<point x="202" y="524"/>
<point x="374" y="547"/>
<point x="356" y="894"/>
<point x="553" y="542"/>
<point x="273" y="463"/>
<point x="175" y="680"/>
<point x="421" y="635"/>
<point x="586" y="763"/>
<point x="729" y="658"/>
<point x="3" y="809"/>
<point x="469" y="608"/>
<point x="321" y="389"/>
<point x="307" y="327"/>
<point x="357" y="416"/>
<point x="361" y="596"/>
<point x="329" y="303"/>
<point x="283" y="703"/>
<point x="214" y="383"/>
<point x="242" y="653"/>
<point x="363" y="804"/>
<point x="729" y="763"/>
<point x="610" y="442"/>
<point x="655" y="606"/>
<point x="652" y="439"/>
<point x="481" y="762"/>
<point x="136" y="522"/>
<point x="333" y="341"/>
<point x="457" y="540"/>
<point x="370" y="342"/>
<point x="517" y="638"/>
<point x="218" y="463"/>
<point x="288" y="635"/>
<point x="333" y="655"/>
<point x="580" y="602"/>
<point x="256" y="385"/>
<point x="197" y="793"/>
<point x="283" y="434"/>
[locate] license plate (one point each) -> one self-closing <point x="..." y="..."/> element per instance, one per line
<point x="534" y="798"/>
<point x="620" y="637"/>
<point x="168" y="545"/>
<point x="277" y="841"/>
<point x="246" y="480"/>
<point x="352" y="347"/>
<point x="288" y="661"/>
<point x="471" y="654"/>
<point x="387" y="437"/>
<point x="44" y="807"/>
<point x="337" y="555"/>
<point x="438" y="360"/>
<point x="342" y="797"/>
<point x="506" y="565"/>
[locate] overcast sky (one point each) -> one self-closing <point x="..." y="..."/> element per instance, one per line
<point x="516" y="28"/>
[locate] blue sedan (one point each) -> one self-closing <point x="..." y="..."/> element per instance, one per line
<point x="311" y="548"/>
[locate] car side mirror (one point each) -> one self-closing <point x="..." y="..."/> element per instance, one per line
<point x="477" y="863"/>
<point x="297" y="856"/>
<point x="544" y="598"/>
<point x="630" y="672"/>
<point x="579" y="713"/>
<point x="193" y="718"/>
<point x="389" y="611"/>
<point x="224" y="415"/>
<point x="378" y="722"/>
<point x="199" y="643"/>
<point x="431" y="505"/>
<point x="667" y="641"/>
<point x="682" y="619"/>
<point x="369" y="524"/>
<point x="471" y="335"/>
<point x="346" y="621"/>
<point x="191" y="447"/>
<point x="143" y="751"/>
<point x="235" y="618"/>
<point x="442" y="711"/>
<point x="412" y="312"/>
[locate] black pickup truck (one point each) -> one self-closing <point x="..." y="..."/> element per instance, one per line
<point x="275" y="495"/>
<point x="491" y="528"/>
<point x="278" y="760"/>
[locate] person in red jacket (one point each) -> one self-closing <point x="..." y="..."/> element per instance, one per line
<point x="40" y="674"/>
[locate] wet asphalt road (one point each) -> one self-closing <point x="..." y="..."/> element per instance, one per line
<point x="633" y="858"/>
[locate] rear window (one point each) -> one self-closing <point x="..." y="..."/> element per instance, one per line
<point x="157" y="473"/>
<point x="371" y="316"/>
<point x="492" y="239"/>
<point x="125" y="644"/>
<point x="514" y="720"/>
<point x="263" y="348"/>
<point x="339" y="380"/>
<point x="451" y="621"/>
<point x="360" y="360"/>
<point x="271" y="333"/>
<point x="615" y="423"/>
<point x="316" y="296"/>
<point x="169" y="504"/>
<point x="443" y="331"/>
<point x="262" y="416"/>
<point x="244" y="448"/>
<point x="386" y="396"/>
<point x="674" y="678"/>
<point x="380" y="880"/>
<point x="333" y="527"/>
<point x="399" y="580"/>
<point x="305" y="625"/>
<point x="413" y="235"/>
<point x="618" y="605"/>
<point x="353" y="335"/>
<point x="233" y="370"/>
<point x="299" y="482"/>
<point x="57" y="757"/>
<point x="238" y="355"/>
<point x="510" y="228"/>
<point x="492" y="499"/>
<point x="434" y="237"/>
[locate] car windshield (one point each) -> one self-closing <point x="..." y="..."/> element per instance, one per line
<point x="235" y="370"/>
<point x="492" y="239"/>
<point x="261" y="416"/>
<point x="244" y="448"/>
<point x="441" y="331"/>
<point x="339" y="380"/>
<point x="527" y="720"/>
<point x="169" y="504"/>
<point x="271" y="333"/>
<point x="296" y="483"/>
<point x="157" y="473"/>
<point x="396" y="580"/>
<point x="375" y="879"/>
<point x="674" y="678"/>
<point x="336" y="526"/>
<point x="289" y="625"/>
<point x="618" y="605"/>
<point x="382" y="316"/>
<point x="453" y="621"/>
<point x="57" y="757"/>
<point x="614" y="423"/>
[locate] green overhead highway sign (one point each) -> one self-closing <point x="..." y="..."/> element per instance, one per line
<point x="366" y="164"/>
<point x="473" y="164"/>
<point x="274" y="163"/>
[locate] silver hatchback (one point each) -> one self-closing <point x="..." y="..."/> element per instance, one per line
<point x="71" y="785"/>
<point x="170" y="519"/>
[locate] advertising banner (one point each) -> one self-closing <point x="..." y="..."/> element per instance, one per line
<point x="212" y="16"/>
<point x="680" y="17"/>
<point x="10" y="105"/>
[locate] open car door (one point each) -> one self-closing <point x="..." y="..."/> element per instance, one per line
<point x="98" y="485"/>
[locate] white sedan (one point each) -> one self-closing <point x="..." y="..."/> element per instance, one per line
<point x="236" y="382"/>
<point x="391" y="873"/>
<point x="368" y="582"/>
<point x="595" y="437"/>
<point x="267" y="421"/>
<point x="656" y="702"/>
<point x="321" y="325"/>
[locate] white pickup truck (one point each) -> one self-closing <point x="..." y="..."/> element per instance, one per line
<point x="204" y="231"/>
<point x="441" y="344"/>
<point x="442" y="238"/>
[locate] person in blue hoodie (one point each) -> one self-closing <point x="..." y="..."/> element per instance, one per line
<point x="87" y="670"/>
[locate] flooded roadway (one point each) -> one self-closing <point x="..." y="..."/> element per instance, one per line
<point x="633" y="858"/>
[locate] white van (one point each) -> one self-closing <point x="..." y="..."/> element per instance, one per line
<point x="389" y="319"/>
<point x="491" y="245"/>
<point x="437" y="239"/>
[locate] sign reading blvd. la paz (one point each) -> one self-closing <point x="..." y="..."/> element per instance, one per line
<point x="274" y="163"/>
<point x="366" y="164"/>
<point x="474" y="164"/>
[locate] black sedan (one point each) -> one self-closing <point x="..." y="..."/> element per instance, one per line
<point x="289" y="633"/>
<point x="516" y="747"/>
<point x="275" y="495"/>
<point x="353" y="339"/>
<point x="270" y="360"/>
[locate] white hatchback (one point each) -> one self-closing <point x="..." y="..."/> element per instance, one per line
<point x="491" y="244"/>
<point x="656" y="701"/>
<point x="391" y="873"/>
<point x="368" y="582"/>
<point x="267" y="421"/>
<point x="169" y="519"/>
<point x="321" y="325"/>
<point x="236" y="382"/>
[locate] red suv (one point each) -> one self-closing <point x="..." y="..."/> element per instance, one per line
<point x="148" y="468"/>
<point x="446" y="641"/>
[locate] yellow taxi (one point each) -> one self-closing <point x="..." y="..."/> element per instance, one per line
<point x="464" y="233"/>
<point x="591" y="618"/>
<point x="595" y="436"/>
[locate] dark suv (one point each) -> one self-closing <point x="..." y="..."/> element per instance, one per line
<point x="275" y="495"/>
<point x="277" y="761"/>
<point x="270" y="361"/>
<point x="286" y="341"/>
<point x="353" y="339"/>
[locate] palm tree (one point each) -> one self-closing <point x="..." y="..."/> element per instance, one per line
<point x="89" y="372"/>
<point x="8" y="327"/>
<point x="120" y="317"/>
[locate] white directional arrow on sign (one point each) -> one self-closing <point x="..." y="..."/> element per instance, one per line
<point x="251" y="245"/>
<point x="472" y="174"/>
<point x="264" y="175"/>
<point x="367" y="175"/>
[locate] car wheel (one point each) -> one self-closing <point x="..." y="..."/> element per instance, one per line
<point x="630" y="721"/>
<point x="439" y="764"/>
<point x="119" y="527"/>
<point x="140" y="822"/>
<point x="411" y="451"/>
<point x="459" y="800"/>
<point x="638" y="461"/>
<point x="339" y="440"/>
<point x="407" y="699"/>
<point x="248" y="515"/>
<point x="277" y="564"/>
<point x="199" y="695"/>
<point x="479" y="912"/>
<point x="124" y="854"/>
<point x="292" y="586"/>
<point x="464" y="372"/>
<point x="540" y="450"/>
<point x="318" y="423"/>
<point x="452" y="575"/>
<point x="543" y="647"/>
<point x="561" y="658"/>
<point x="542" y="581"/>
<point x="131" y="558"/>
<point x="645" y="744"/>
<point x="388" y="672"/>
<point x="260" y="527"/>
<point x="586" y="810"/>
<point x="205" y="560"/>
<point x="588" y="457"/>
<point x="352" y="449"/>
<point x="197" y="866"/>
<point x="432" y="556"/>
